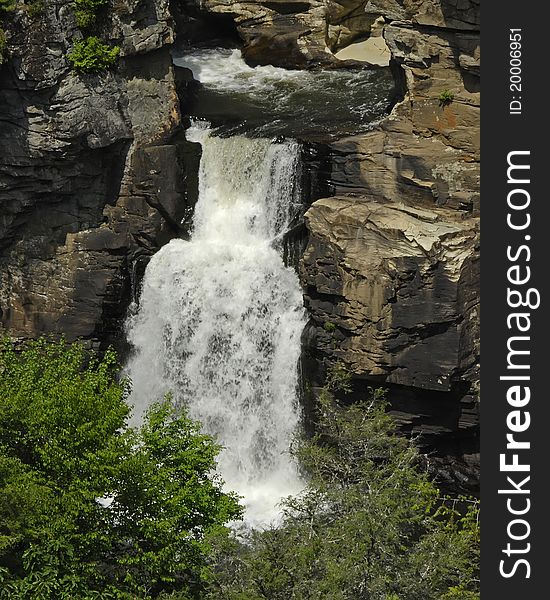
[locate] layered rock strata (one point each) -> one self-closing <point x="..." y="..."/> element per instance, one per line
<point x="393" y="259"/>
<point x="85" y="159"/>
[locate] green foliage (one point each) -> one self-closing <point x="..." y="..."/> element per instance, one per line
<point x="86" y="12"/>
<point x="329" y="327"/>
<point x="446" y="97"/>
<point x="88" y="507"/>
<point x="338" y="379"/>
<point x="85" y="19"/>
<point x="91" y="55"/>
<point x="92" y="509"/>
<point x="459" y="593"/>
<point x="3" y="45"/>
<point x="370" y="525"/>
<point x="7" y="5"/>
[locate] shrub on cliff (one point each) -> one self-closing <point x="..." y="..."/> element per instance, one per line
<point x="7" y="5"/>
<point x="446" y="97"/>
<point x="86" y="12"/>
<point x="91" y="55"/>
<point x="370" y="525"/>
<point x="88" y="507"/>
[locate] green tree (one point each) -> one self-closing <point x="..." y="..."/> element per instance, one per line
<point x="91" y="55"/>
<point x="88" y="507"/>
<point x="371" y="525"/>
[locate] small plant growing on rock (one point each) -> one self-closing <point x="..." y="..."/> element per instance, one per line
<point x="91" y="55"/>
<point x="446" y="97"/>
<point x="86" y="12"/>
<point x="329" y="327"/>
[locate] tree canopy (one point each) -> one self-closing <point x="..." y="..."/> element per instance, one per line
<point x="371" y="524"/>
<point x="90" y="508"/>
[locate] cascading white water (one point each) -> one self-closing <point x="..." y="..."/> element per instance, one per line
<point x="220" y="318"/>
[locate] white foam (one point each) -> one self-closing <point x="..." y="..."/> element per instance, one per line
<point x="312" y="98"/>
<point x="226" y="70"/>
<point x="220" y="318"/>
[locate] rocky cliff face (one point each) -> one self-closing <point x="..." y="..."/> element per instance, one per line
<point x="393" y="259"/>
<point x="391" y="267"/>
<point x="92" y="182"/>
<point x="80" y="156"/>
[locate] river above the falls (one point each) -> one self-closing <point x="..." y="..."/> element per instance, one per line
<point x="267" y="101"/>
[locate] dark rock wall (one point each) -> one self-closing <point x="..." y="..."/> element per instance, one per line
<point x="84" y="161"/>
<point x="94" y="178"/>
<point x="393" y="258"/>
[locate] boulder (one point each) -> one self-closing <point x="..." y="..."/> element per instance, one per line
<point x="397" y="286"/>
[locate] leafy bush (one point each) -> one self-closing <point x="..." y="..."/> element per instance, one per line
<point x="88" y="507"/>
<point x="86" y="12"/>
<point x="85" y="19"/>
<point x="338" y="379"/>
<point x="371" y="525"/>
<point x="91" y="55"/>
<point x="7" y="5"/>
<point x="446" y="97"/>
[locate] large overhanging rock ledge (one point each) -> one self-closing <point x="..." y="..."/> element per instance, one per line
<point x="388" y="287"/>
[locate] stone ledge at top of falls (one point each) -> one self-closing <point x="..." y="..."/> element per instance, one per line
<point x="297" y="33"/>
<point x="74" y="148"/>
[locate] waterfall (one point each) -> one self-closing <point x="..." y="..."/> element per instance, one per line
<point x="220" y="318"/>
